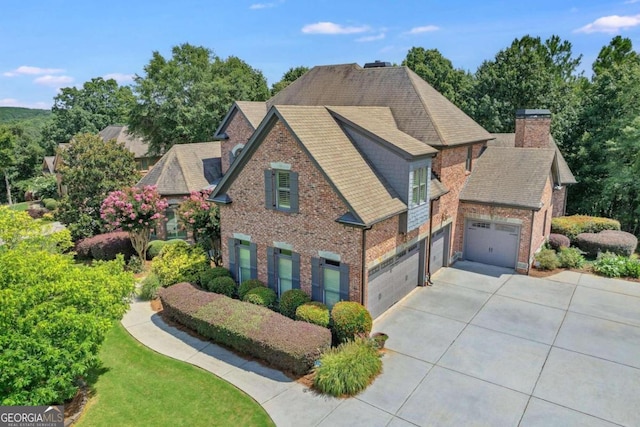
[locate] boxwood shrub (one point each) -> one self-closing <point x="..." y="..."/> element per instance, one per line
<point x="291" y="300"/>
<point x="224" y="285"/>
<point x="260" y="295"/>
<point x="212" y="273"/>
<point x="250" y="329"/>
<point x="247" y="285"/>
<point x="347" y="369"/>
<point x="105" y="247"/>
<point x="571" y="226"/>
<point x="350" y="319"/>
<point x="617" y="242"/>
<point x="314" y="312"/>
<point x="557" y="241"/>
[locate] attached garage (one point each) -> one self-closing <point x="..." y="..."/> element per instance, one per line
<point x="394" y="278"/>
<point x="439" y="249"/>
<point x="491" y="243"/>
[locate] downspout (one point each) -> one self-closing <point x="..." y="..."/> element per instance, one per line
<point x="530" y="244"/>
<point x="428" y="264"/>
<point x="364" y="264"/>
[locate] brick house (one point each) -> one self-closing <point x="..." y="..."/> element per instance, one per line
<point x="359" y="183"/>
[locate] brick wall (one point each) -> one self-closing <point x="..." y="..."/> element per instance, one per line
<point x="542" y="218"/>
<point x="311" y="230"/>
<point x="533" y="132"/>
<point x="239" y="130"/>
<point x="450" y="166"/>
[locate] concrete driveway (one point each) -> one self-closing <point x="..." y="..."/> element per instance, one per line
<point x="488" y="348"/>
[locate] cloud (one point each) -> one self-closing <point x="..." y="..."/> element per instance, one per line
<point x="12" y="102"/>
<point x="371" y="38"/>
<point x="610" y="24"/>
<point x="54" y="81"/>
<point x="32" y="71"/>
<point x="256" y="6"/>
<point x="424" y="29"/>
<point x="331" y="28"/>
<point x="119" y="77"/>
<point x="631" y="1"/>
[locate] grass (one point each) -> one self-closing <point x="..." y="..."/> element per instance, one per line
<point x="138" y="387"/>
<point x="21" y="207"/>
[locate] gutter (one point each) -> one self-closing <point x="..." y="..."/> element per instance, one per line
<point x="530" y="245"/>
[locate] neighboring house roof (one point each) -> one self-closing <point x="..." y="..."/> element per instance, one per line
<point x="508" y="140"/>
<point x="510" y="177"/>
<point x="368" y="197"/>
<point x="185" y="168"/>
<point x="419" y="110"/>
<point x="378" y="123"/>
<point x="121" y="134"/>
<point x="47" y="164"/>
<point x="253" y="111"/>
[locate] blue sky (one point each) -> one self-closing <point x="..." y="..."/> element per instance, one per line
<point x="48" y="44"/>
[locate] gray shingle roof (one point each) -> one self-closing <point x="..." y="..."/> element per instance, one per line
<point x="254" y="111"/>
<point x="419" y="110"/>
<point x="182" y="169"/>
<point x="510" y="176"/>
<point x="47" y="164"/>
<point x="379" y="123"/>
<point x="121" y="134"/>
<point x="437" y="188"/>
<point x="508" y="140"/>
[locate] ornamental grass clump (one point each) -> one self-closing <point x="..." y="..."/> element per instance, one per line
<point x="291" y="300"/>
<point x="348" y="369"/>
<point x="547" y="259"/>
<point x="350" y="319"/>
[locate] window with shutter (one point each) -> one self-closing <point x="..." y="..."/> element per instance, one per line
<point x="281" y="190"/>
<point x="284" y="270"/>
<point x="330" y="281"/>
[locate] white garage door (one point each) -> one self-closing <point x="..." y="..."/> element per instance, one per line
<point x="392" y="279"/>
<point x="439" y="241"/>
<point x="491" y="243"/>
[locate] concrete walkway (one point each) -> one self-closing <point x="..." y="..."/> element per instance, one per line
<point x="481" y="347"/>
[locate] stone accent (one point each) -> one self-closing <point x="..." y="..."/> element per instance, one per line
<point x="239" y="130"/>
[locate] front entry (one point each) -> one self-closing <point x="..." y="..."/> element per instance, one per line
<point x="491" y="243"/>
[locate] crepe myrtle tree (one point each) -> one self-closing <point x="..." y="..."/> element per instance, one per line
<point x="135" y="210"/>
<point x="202" y="218"/>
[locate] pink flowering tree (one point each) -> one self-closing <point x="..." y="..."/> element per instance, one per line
<point x="202" y="218"/>
<point x="135" y="210"/>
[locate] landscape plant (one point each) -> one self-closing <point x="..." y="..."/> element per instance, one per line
<point x="247" y="285"/>
<point x="618" y="242"/>
<point x="136" y="211"/>
<point x="224" y="285"/>
<point x="261" y="295"/>
<point x="547" y="259"/>
<point x="202" y="218"/>
<point x="314" y="312"/>
<point x="179" y="262"/>
<point x="570" y="257"/>
<point x="348" y="369"/>
<point x="349" y="320"/>
<point x="291" y="300"/>
<point x="610" y="265"/>
<point x="571" y="226"/>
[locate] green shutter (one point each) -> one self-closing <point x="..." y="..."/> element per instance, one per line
<point x="231" y="243"/>
<point x="293" y="182"/>
<point x="272" y="280"/>
<point x="269" y="199"/>
<point x="253" y="254"/>
<point x="295" y="270"/>
<point x="316" y="284"/>
<point x="344" y="282"/>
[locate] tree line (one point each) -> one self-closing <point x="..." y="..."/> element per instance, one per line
<point x="184" y="97"/>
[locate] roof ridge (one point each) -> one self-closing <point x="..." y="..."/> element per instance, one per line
<point x="411" y="75"/>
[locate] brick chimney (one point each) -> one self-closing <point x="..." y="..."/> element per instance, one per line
<point x="533" y="128"/>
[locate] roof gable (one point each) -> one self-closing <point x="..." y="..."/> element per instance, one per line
<point x="253" y="111"/>
<point x="368" y="197"/>
<point x="121" y="134"/>
<point x="418" y="109"/>
<point x="510" y="176"/>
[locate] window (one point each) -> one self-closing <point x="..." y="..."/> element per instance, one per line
<point x="419" y="186"/>
<point x="467" y="164"/>
<point x="243" y="260"/>
<point x="175" y="230"/>
<point x="329" y="281"/>
<point x="284" y="270"/>
<point x="281" y="190"/>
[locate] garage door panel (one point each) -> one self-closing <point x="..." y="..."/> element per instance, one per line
<point x="438" y="244"/>
<point x="392" y="282"/>
<point x="492" y="243"/>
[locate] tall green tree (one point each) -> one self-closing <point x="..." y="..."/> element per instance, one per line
<point x="287" y="78"/>
<point x="91" y="169"/>
<point x="438" y="71"/>
<point x="183" y="99"/>
<point x="7" y="157"/>
<point x="98" y="104"/>
<point x="529" y="73"/>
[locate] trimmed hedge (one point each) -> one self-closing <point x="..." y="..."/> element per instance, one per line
<point x="350" y="319"/>
<point x="571" y="226"/>
<point x="50" y="204"/>
<point x="224" y="285"/>
<point x="348" y="369"/>
<point x="250" y="329"/>
<point x="547" y="259"/>
<point x="247" y="285"/>
<point x="261" y="295"/>
<point x="557" y="241"/>
<point x="105" y="247"/>
<point x="617" y="242"/>
<point x="291" y="300"/>
<point x="314" y="312"/>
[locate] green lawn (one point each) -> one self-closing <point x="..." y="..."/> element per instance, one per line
<point x="139" y="387"/>
<point x="23" y="206"/>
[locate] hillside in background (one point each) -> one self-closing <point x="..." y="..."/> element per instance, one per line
<point x="11" y="114"/>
